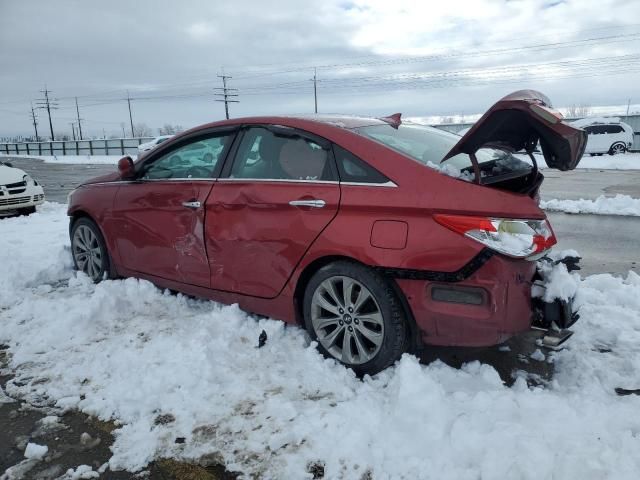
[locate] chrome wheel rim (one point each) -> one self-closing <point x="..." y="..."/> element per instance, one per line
<point x="618" y="148"/>
<point x="87" y="252"/>
<point x="347" y="320"/>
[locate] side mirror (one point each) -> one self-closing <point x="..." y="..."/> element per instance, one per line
<point x="125" y="167"/>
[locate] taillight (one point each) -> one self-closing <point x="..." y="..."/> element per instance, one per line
<point x="512" y="237"/>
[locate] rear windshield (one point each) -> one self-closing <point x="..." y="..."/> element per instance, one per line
<point x="429" y="145"/>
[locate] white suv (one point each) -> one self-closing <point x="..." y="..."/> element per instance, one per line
<point x="18" y="191"/>
<point x="607" y="137"/>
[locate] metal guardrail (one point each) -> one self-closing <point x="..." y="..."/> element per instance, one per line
<point x="111" y="146"/>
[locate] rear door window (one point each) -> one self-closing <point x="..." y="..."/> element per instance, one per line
<point x="265" y="155"/>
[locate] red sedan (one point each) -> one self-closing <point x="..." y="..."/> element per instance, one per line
<point x="377" y="236"/>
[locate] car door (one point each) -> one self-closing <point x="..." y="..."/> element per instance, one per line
<point x="267" y="208"/>
<point x="160" y="215"/>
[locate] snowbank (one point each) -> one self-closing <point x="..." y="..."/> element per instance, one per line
<point x="618" y="205"/>
<point x="167" y="366"/>
<point x="76" y="159"/>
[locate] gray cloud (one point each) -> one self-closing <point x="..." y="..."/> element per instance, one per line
<point x="365" y="52"/>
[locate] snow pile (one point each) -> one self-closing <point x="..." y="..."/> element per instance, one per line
<point x="618" y="205"/>
<point x="35" y="451"/>
<point x="76" y="159"/>
<point x="184" y="379"/>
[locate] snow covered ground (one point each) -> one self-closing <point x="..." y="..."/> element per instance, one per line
<point x="618" y="205"/>
<point x="169" y="368"/>
<point x="75" y="159"/>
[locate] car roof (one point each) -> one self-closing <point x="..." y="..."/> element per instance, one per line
<point x="335" y="120"/>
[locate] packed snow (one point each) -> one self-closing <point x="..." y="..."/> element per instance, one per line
<point x="76" y="159"/>
<point x="618" y="205"/>
<point x="183" y="378"/>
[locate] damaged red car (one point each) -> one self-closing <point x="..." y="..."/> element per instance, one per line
<point x="378" y="236"/>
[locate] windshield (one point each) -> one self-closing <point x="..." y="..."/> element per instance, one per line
<point x="429" y="145"/>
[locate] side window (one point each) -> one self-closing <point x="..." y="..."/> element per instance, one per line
<point x="197" y="159"/>
<point x="352" y="169"/>
<point x="615" y="129"/>
<point x="264" y="155"/>
<point x="589" y="130"/>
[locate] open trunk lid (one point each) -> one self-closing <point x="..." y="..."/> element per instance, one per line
<point x="518" y="122"/>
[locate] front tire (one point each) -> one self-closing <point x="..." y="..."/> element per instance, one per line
<point x="26" y="211"/>
<point x="89" y="250"/>
<point x="617" y="149"/>
<point x="356" y="317"/>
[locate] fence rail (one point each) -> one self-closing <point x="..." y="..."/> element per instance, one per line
<point x="111" y="146"/>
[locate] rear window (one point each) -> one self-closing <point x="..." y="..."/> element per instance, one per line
<point x="429" y="145"/>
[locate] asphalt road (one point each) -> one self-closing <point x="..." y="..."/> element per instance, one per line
<point x="607" y="243"/>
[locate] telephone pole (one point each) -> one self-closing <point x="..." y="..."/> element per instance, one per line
<point x="628" y="105"/>
<point x="315" y="90"/>
<point x="130" y="116"/>
<point x="34" y="120"/>
<point x="73" y="129"/>
<point x="48" y="104"/>
<point x="78" y="117"/>
<point x="226" y="97"/>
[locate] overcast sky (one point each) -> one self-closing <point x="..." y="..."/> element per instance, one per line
<point x="371" y="57"/>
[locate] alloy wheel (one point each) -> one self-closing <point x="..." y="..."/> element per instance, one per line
<point x="87" y="252"/>
<point x="347" y="320"/>
<point x="617" y="149"/>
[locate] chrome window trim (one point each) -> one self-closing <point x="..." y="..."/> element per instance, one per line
<point x="388" y="184"/>
<point x="277" y="180"/>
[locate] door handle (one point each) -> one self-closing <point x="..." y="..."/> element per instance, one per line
<point x="307" y="203"/>
<point x="193" y="204"/>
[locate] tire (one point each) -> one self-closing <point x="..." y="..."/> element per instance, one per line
<point x="85" y="233"/>
<point x="617" y="148"/>
<point x="369" y="337"/>
<point x="26" y="211"/>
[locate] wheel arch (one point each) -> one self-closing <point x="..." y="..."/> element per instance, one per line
<point x="309" y="270"/>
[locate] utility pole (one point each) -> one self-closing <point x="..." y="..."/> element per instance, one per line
<point x="73" y="129"/>
<point x="34" y="120"/>
<point x="78" y="117"/>
<point x="48" y="104"/>
<point x="226" y="97"/>
<point x="124" y="135"/>
<point x="315" y="90"/>
<point x="628" y="105"/>
<point x="130" y="116"/>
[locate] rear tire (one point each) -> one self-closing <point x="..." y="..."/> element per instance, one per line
<point x="356" y="317"/>
<point x="89" y="250"/>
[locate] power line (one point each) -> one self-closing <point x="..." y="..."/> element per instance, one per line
<point x="226" y="97"/>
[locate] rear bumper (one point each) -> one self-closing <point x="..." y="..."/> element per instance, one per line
<point x="486" y="308"/>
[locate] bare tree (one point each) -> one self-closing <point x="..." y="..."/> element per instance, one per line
<point x="168" y="129"/>
<point x="447" y="119"/>
<point x="578" y="111"/>
<point x="142" y="130"/>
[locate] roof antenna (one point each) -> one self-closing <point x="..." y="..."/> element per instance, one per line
<point x="394" y="120"/>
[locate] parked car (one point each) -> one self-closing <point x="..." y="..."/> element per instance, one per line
<point x="343" y="226"/>
<point x="145" y="147"/>
<point x="18" y="191"/>
<point x="606" y="136"/>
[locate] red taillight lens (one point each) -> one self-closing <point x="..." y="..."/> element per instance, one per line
<point x="512" y="237"/>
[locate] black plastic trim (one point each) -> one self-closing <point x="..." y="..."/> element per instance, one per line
<point x="435" y="276"/>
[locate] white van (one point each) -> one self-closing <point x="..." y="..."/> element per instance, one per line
<point x="610" y="137"/>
